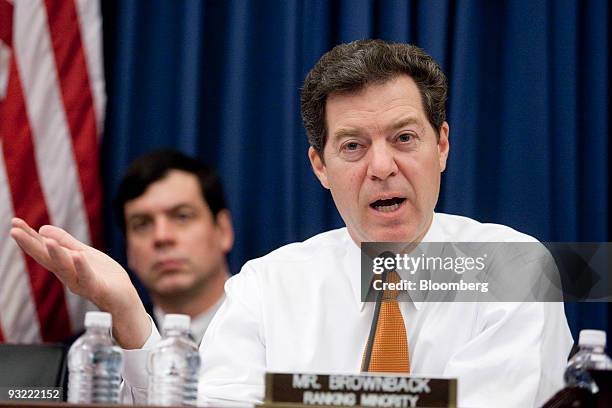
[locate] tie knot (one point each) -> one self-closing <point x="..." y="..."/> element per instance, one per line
<point x="391" y="294"/>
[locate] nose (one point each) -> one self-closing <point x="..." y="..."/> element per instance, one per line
<point x="163" y="234"/>
<point x="382" y="163"/>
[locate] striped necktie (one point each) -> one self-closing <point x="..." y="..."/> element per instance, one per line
<point x="390" y="349"/>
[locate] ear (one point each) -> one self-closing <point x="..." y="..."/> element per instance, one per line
<point x="225" y="230"/>
<point x="318" y="167"/>
<point x="443" y="146"/>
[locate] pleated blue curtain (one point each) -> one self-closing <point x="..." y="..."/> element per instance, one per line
<point x="528" y="108"/>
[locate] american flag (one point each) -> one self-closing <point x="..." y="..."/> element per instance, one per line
<point x="51" y="116"/>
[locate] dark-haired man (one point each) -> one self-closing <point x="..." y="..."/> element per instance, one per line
<point x="178" y="232"/>
<point x="375" y="117"/>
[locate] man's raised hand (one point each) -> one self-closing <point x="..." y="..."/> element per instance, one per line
<point x="89" y="273"/>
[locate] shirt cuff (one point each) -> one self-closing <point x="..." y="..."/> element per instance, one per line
<point x="135" y="361"/>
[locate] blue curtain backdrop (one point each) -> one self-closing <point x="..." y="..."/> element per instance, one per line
<point x="528" y="108"/>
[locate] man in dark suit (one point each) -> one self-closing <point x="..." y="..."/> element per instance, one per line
<point x="178" y="232"/>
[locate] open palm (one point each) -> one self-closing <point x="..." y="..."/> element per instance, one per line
<point x="89" y="273"/>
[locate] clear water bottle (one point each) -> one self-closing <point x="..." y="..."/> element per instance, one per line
<point x="591" y="356"/>
<point x="95" y="363"/>
<point x="174" y="365"/>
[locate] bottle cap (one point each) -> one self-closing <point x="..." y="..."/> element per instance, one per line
<point x="592" y="338"/>
<point x="98" y="319"/>
<point x="177" y="322"/>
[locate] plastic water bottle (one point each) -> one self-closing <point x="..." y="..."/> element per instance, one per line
<point x="591" y="356"/>
<point x="174" y="365"/>
<point x="95" y="363"/>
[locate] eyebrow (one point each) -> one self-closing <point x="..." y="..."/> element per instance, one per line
<point x="351" y="132"/>
<point x="176" y="207"/>
<point x="345" y="133"/>
<point x="411" y="120"/>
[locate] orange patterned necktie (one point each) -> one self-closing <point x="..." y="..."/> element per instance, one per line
<point x="390" y="350"/>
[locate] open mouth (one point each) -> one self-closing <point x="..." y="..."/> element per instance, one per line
<point x="388" y="205"/>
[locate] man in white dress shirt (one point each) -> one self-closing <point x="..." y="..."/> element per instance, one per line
<point x="375" y="117"/>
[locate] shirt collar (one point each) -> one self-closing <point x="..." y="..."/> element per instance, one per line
<point x="352" y="267"/>
<point x="352" y="260"/>
<point x="199" y="323"/>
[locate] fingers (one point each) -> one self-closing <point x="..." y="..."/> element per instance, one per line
<point x="49" y="231"/>
<point x="65" y="256"/>
<point x="22" y="225"/>
<point x="31" y="243"/>
<point x="60" y="253"/>
<point x="62" y="237"/>
<point x="60" y="261"/>
<point x="85" y="274"/>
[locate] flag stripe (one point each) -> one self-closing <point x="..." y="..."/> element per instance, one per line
<point x="52" y="141"/>
<point x="49" y="135"/>
<point x="90" y="24"/>
<point x="17" y="309"/>
<point x="6" y="22"/>
<point x="6" y="35"/>
<point x="78" y="103"/>
<point x="29" y="204"/>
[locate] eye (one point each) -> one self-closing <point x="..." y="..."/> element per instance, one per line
<point x="183" y="215"/>
<point x="352" y="150"/>
<point x="351" y="146"/>
<point x="405" y="138"/>
<point x="139" y="224"/>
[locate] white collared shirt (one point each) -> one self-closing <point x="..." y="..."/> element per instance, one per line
<point x="299" y="309"/>
<point x="199" y="324"/>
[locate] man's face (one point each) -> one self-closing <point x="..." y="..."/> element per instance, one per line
<point x="173" y="243"/>
<point x="382" y="161"/>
